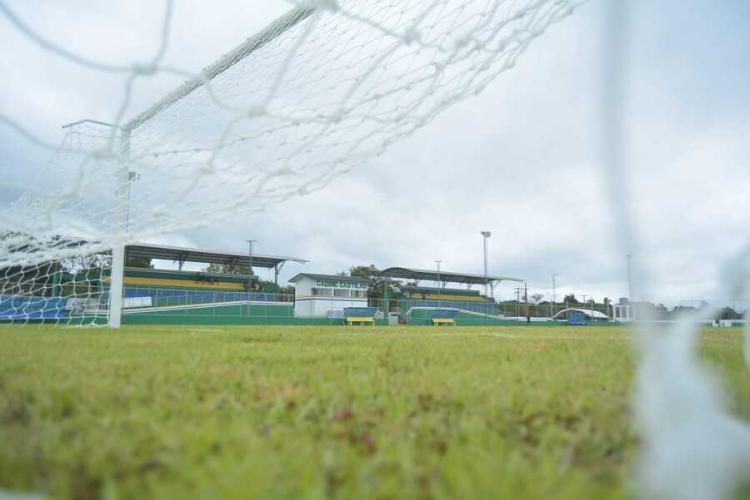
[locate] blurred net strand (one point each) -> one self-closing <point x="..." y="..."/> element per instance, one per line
<point x="693" y="447"/>
<point x="83" y="61"/>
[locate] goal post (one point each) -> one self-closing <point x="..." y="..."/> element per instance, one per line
<point x="319" y="92"/>
<point x="267" y="35"/>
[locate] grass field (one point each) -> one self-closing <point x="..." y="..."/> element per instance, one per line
<point x="314" y="412"/>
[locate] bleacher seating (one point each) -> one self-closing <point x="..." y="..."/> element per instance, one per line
<point x="455" y="297"/>
<point x="161" y="297"/>
<point x="20" y="308"/>
<point x="419" y="291"/>
<point x="477" y="307"/>
<point x="469" y="300"/>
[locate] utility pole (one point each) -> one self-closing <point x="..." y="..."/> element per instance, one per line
<point x="485" y="236"/>
<point x="518" y="301"/>
<point x="554" y="296"/>
<point x="526" y="301"/>
<point x="250" y="266"/>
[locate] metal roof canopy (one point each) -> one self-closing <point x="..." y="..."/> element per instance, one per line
<point x="182" y="255"/>
<point x="422" y="274"/>
<point x="586" y="312"/>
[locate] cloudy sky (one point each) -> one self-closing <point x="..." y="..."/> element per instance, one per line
<point x="523" y="159"/>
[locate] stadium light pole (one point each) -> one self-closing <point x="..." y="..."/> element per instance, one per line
<point x="485" y="235"/>
<point x="440" y="281"/>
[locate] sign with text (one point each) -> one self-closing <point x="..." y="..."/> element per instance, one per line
<point x="340" y="284"/>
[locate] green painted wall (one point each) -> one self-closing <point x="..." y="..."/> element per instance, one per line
<point x="238" y="314"/>
<point x="424" y="317"/>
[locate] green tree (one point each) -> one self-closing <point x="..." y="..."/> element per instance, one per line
<point x="229" y="268"/>
<point x="728" y="313"/>
<point x="139" y="262"/>
<point x="570" y="299"/>
<point x="373" y="277"/>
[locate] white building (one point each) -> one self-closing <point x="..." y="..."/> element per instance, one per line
<point x="324" y="295"/>
<point x="622" y="312"/>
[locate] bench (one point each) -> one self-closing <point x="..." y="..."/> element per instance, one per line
<point x="359" y="320"/>
<point x="359" y="315"/>
<point x="443" y="322"/>
<point x="444" y="317"/>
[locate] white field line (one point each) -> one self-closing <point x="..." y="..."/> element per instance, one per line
<point x="140" y="310"/>
<point x="531" y="336"/>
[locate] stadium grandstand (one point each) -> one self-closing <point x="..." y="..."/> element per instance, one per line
<point x="218" y="287"/>
<point x="178" y="285"/>
<point x="226" y="290"/>
<point x="419" y="304"/>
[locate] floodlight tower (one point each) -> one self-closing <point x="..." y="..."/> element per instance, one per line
<point x="485" y="236"/>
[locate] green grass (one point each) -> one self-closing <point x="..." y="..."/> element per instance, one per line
<point x="322" y="412"/>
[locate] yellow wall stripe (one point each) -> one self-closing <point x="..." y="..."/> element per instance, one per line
<point x="162" y="282"/>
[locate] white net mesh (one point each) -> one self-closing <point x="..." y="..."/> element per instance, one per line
<point x="315" y="95"/>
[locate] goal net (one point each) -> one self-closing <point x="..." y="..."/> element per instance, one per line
<point x="320" y="91"/>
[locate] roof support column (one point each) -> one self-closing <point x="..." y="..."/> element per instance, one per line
<point x="276" y="270"/>
<point x="493" y="284"/>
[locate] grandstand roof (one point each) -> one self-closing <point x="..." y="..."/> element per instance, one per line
<point x="450" y="277"/>
<point x="182" y="254"/>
